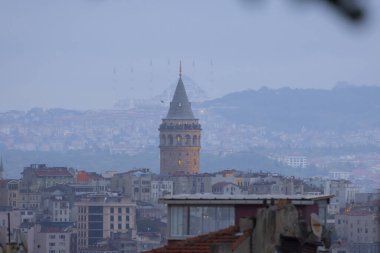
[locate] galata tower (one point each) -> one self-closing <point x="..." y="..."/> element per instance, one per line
<point x="180" y="136"/>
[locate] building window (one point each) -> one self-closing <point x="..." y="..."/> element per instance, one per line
<point x="119" y="226"/>
<point x="188" y="141"/>
<point x="194" y="140"/>
<point x="111" y="226"/>
<point x="119" y="210"/>
<point x="170" y="140"/>
<point x="179" y="162"/>
<point x="163" y="140"/>
<point x="179" y="140"/>
<point x="112" y="210"/>
<point x="119" y="218"/>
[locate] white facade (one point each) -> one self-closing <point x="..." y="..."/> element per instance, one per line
<point x="296" y="161"/>
<point x="344" y="194"/>
<point x="226" y="188"/>
<point x="60" y="210"/>
<point x="49" y="241"/>
<point x="160" y="188"/>
<point x="361" y="229"/>
<point x="336" y="175"/>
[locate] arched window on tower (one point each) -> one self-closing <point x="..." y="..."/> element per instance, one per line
<point x="188" y="140"/>
<point x="195" y="140"/>
<point x="179" y="140"/>
<point x="170" y="137"/>
<point x="179" y="162"/>
<point x="163" y="140"/>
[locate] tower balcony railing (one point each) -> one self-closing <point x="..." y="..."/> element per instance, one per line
<point x="165" y="126"/>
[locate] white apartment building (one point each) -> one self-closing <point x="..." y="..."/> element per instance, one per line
<point x="344" y="194"/>
<point x="52" y="240"/>
<point x="60" y="209"/>
<point x="296" y="161"/>
<point x="337" y="175"/>
<point x="160" y="188"/>
<point x="360" y="229"/>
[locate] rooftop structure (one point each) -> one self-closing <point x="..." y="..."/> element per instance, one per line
<point x="194" y="214"/>
<point x="245" y="223"/>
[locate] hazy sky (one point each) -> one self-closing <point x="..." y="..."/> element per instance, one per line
<point x="87" y="54"/>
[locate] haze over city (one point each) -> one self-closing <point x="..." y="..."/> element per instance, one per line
<point x="173" y="126"/>
<point x="90" y="54"/>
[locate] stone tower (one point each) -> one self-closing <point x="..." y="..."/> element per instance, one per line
<point x="180" y="136"/>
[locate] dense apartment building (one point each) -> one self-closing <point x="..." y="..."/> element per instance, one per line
<point x="344" y="194"/>
<point x="135" y="184"/>
<point x="360" y="228"/>
<point x="191" y="184"/>
<point x="39" y="176"/>
<point x="296" y="161"/>
<point x="9" y="193"/>
<point x="57" y="208"/>
<point x="53" y="239"/>
<point x="226" y="188"/>
<point x="100" y="215"/>
<point x="161" y="187"/>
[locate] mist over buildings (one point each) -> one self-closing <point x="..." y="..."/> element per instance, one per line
<point x="90" y="54"/>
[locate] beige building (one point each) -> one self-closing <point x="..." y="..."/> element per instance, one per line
<point x="101" y="215"/>
<point x="9" y="193"/>
<point x="134" y="184"/>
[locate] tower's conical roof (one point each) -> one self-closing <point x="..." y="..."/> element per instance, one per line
<point x="180" y="107"/>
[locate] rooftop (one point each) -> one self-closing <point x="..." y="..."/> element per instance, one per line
<point x="212" y="199"/>
<point x="203" y="243"/>
<point x="52" y="171"/>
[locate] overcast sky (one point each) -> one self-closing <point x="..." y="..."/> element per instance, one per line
<point x="87" y="54"/>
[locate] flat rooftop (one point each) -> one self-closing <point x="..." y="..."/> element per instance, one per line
<point x="215" y="199"/>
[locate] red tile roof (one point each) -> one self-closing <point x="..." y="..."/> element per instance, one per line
<point x="203" y="243"/>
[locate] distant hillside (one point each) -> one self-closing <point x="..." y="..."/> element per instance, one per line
<point x="342" y="108"/>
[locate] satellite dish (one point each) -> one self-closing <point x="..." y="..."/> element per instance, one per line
<point x="316" y="225"/>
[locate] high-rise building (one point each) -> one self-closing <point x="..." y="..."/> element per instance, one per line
<point x="180" y="136"/>
<point x="102" y="215"/>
